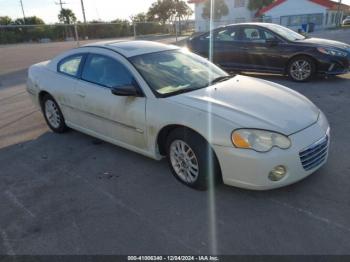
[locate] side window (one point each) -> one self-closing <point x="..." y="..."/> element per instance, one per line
<point x="252" y="35"/>
<point x="70" y="65"/>
<point x="267" y="35"/>
<point x="106" y="71"/>
<point x="204" y="37"/>
<point x="226" y="35"/>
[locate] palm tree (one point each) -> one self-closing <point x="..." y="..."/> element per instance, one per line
<point x="67" y="16"/>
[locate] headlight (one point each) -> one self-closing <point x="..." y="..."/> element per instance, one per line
<point x="332" y="52"/>
<point x="259" y="140"/>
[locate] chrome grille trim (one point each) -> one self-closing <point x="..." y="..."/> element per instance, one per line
<point x="314" y="155"/>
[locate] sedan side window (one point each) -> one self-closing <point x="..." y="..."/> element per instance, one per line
<point x="70" y="65"/>
<point x="252" y="35"/>
<point x="106" y="71"/>
<point x="268" y="36"/>
<point x="226" y="35"/>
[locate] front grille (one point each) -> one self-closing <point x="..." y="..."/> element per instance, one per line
<point x="314" y="155"/>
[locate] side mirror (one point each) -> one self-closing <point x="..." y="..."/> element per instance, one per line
<point x="272" y="42"/>
<point x="126" y="90"/>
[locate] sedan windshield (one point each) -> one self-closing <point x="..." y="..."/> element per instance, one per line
<point x="285" y="32"/>
<point x="177" y="71"/>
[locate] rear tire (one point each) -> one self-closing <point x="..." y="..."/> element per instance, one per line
<point x="301" y="69"/>
<point x="53" y="115"/>
<point x="191" y="159"/>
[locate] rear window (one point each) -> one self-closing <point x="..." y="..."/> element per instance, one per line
<point x="70" y="65"/>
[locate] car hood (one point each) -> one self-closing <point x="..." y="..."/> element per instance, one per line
<point x="325" y="42"/>
<point x="253" y="103"/>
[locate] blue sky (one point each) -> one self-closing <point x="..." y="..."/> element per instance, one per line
<point x="95" y="9"/>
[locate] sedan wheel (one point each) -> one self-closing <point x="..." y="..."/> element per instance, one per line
<point x="53" y="115"/>
<point x="301" y="69"/>
<point x="191" y="159"/>
<point x="184" y="161"/>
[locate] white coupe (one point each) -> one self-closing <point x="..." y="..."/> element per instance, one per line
<point x="163" y="101"/>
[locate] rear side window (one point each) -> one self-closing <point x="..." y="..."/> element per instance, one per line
<point x="70" y="65"/>
<point x="227" y="35"/>
<point x="252" y="35"/>
<point x="106" y="71"/>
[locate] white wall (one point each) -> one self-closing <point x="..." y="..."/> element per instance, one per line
<point x="296" y="7"/>
<point x="240" y="14"/>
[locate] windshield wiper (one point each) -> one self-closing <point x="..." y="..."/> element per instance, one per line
<point x="220" y="79"/>
<point x="185" y="90"/>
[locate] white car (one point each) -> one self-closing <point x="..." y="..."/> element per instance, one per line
<point x="346" y="21"/>
<point x="163" y="101"/>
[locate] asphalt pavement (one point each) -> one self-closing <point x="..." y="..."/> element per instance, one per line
<point x="74" y="194"/>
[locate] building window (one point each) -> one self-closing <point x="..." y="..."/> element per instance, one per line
<point x="239" y="3"/>
<point x="297" y="20"/>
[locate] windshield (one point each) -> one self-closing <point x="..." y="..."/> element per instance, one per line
<point x="176" y="71"/>
<point x="285" y="32"/>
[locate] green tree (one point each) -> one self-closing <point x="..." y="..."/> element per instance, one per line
<point x="167" y="10"/>
<point x="139" y="18"/>
<point x="5" y="20"/>
<point x="220" y="9"/>
<point x="258" y="4"/>
<point x="182" y="10"/>
<point x="67" y="16"/>
<point x="30" y="20"/>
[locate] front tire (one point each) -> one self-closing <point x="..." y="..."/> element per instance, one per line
<point x="301" y="69"/>
<point x="191" y="159"/>
<point x="53" y="115"/>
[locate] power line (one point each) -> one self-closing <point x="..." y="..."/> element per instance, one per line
<point x="61" y="4"/>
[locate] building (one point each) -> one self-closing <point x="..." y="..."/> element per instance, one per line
<point x="290" y="13"/>
<point x="294" y="13"/>
<point x="238" y="13"/>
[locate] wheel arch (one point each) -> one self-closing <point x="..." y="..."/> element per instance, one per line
<point x="165" y="132"/>
<point x="300" y="55"/>
<point x="41" y="96"/>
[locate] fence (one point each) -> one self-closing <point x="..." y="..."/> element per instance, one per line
<point x="61" y="32"/>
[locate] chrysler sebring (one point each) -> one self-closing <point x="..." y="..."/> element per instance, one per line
<point x="163" y="101"/>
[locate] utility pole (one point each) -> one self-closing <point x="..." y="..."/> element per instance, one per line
<point x="61" y="4"/>
<point x="24" y="16"/>
<point x="83" y="9"/>
<point x="339" y="13"/>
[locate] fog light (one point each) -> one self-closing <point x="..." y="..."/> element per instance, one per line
<point x="277" y="173"/>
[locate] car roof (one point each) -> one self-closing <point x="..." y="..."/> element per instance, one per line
<point x="250" y="24"/>
<point x="130" y="48"/>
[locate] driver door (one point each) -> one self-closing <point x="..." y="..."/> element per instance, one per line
<point x="117" y="118"/>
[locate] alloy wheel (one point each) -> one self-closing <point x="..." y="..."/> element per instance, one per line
<point x="184" y="161"/>
<point x="301" y="70"/>
<point x="52" y="113"/>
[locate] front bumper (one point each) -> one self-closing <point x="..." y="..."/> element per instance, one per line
<point x="249" y="169"/>
<point x="328" y="65"/>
